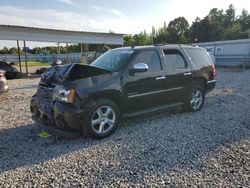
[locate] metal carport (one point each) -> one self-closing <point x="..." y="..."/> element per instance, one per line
<point x="23" y="33"/>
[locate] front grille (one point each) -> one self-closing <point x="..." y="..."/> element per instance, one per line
<point x="45" y="93"/>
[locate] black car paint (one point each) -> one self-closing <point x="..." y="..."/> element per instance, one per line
<point x="10" y="72"/>
<point x="132" y="92"/>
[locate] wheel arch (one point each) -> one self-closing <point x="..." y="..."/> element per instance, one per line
<point x="113" y="96"/>
<point x="199" y="80"/>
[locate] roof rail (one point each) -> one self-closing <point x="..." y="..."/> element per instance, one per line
<point x="161" y="44"/>
<point x="194" y="45"/>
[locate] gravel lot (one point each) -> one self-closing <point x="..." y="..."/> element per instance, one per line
<point x="208" y="148"/>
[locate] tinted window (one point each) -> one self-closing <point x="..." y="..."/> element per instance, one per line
<point x="174" y="59"/>
<point x="150" y="58"/>
<point x="113" y="60"/>
<point x="199" y="57"/>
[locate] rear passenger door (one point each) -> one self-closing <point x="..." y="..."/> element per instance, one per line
<point x="178" y="75"/>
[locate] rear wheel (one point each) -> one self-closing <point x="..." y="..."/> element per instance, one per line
<point x="195" y="99"/>
<point x="103" y="119"/>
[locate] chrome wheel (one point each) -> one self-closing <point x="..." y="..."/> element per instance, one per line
<point x="196" y="99"/>
<point x="103" y="119"/>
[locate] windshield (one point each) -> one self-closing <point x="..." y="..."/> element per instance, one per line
<point x="113" y="60"/>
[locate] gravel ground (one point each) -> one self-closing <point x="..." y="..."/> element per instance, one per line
<point x="210" y="148"/>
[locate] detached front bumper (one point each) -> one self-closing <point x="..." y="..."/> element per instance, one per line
<point x="57" y="116"/>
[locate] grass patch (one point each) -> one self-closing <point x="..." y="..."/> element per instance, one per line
<point x="228" y="90"/>
<point x="35" y="64"/>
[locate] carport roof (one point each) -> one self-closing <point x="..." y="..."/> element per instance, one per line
<point x="13" y="32"/>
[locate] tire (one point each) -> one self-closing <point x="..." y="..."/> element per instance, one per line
<point x="102" y="119"/>
<point x="195" y="98"/>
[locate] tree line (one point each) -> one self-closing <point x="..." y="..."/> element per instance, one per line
<point x="217" y="25"/>
<point x="73" y="48"/>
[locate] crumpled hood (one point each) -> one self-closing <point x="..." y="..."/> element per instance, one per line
<point x="93" y="84"/>
<point x="72" y="72"/>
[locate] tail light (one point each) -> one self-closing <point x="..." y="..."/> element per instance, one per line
<point x="213" y="73"/>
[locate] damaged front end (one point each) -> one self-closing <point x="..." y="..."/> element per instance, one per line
<point x="55" y="106"/>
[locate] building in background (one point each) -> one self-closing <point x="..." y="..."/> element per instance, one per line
<point x="230" y="52"/>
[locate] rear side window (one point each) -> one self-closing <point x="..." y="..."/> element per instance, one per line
<point x="174" y="60"/>
<point x="199" y="57"/>
<point x="151" y="58"/>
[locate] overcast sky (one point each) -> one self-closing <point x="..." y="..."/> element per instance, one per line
<point x="128" y="16"/>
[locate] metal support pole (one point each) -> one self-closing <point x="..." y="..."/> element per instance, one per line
<point x="58" y="48"/>
<point x="25" y="54"/>
<point x="81" y="49"/>
<point x="67" y="53"/>
<point x="19" y="56"/>
<point x="86" y="48"/>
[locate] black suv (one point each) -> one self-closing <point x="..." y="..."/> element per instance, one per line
<point x="122" y="82"/>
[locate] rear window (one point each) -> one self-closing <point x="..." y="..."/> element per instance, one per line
<point x="174" y="59"/>
<point x="199" y="57"/>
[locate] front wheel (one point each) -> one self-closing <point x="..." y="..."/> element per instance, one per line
<point x="195" y="99"/>
<point x="103" y="119"/>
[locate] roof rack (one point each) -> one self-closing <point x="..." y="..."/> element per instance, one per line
<point x="162" y="44"/>
<point x="191" y="44"/>
<point x="194" y="45"/>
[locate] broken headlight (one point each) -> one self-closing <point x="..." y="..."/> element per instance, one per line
<point x="61" y="94"/>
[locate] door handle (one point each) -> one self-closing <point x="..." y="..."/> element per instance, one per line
<point x="160" y="78"/>
<point x="187" y="73"/>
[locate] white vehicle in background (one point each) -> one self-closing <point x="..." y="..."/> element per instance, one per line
<point x="3" y="82"/>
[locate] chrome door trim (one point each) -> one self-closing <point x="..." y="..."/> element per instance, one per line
<point x="154" y="92"/>
<point x="160" y="78"/>
<point x="187" y="73"/>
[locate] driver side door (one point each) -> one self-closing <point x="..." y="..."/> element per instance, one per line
<point x="145" y="89"/>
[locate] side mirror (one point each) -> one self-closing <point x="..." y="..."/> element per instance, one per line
<point x="139" y="67"/>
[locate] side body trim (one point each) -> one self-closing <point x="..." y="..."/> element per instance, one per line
<point x="154" y="92"/>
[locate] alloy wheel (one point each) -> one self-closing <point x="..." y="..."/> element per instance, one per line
<point x="196" y="99"/>
<point x="103" y="119"/>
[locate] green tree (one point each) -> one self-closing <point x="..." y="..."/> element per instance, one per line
<point x="142" y="39"/>
<point x="200" y="30"/>
<point x="129" y="40"/>
<point x="162" y="35"/>
<point x="13" y="51"/>
<point x="233" y="32"/>
<point x="230" y="16"/>
<point x="244" y="20"/>
<point x="216" y="19"/>
<point x="5" y="50"/>
<point x="153" y="34"/>
<point x="178" y="30"/>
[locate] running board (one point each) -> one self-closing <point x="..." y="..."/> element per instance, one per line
<point x="159" y="108"/>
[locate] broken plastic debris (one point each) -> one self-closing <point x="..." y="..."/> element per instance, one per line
<point x="44" y="134"/>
